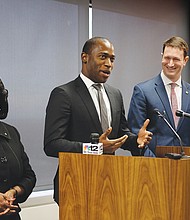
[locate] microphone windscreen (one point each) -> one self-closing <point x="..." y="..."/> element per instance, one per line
<point x="179" y="113"/>
<point x="156" y="111"/>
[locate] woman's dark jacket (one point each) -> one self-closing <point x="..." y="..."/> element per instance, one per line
<point x="14" y="163"/>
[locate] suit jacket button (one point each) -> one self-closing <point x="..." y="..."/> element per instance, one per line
<point x="3" y="159"/>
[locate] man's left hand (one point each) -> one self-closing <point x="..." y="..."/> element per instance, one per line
<point x="144" y="136"/>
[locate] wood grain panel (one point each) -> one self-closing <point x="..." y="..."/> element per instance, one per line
<point x="180" y="189"/>
<point x="108" y="187"/>
<point x="162" y="150"/>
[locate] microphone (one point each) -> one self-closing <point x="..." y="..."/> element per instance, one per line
<point x="94" y="147"/>
<point x="172" y="155"/>
<point x="180" y="113"/>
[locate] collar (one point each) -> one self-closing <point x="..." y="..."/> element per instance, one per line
<point x="3" y="131"/>
<point x="88" y="82"/>
<point x="167" y="81"/>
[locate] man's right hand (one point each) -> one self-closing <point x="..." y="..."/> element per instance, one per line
<point x="110" y="146"/>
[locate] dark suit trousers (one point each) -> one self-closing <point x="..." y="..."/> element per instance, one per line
<point x="11" y="217"/>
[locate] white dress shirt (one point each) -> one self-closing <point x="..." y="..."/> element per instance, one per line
<point x="178" y="88"/>
<point x="94" y="94"/>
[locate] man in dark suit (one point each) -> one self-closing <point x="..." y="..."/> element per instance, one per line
<point x="156" y="94"/>
<point x="73" y="112"/>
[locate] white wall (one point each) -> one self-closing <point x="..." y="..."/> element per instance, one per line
<point x="37" y="41"/>
<point x="40" y="205"/>
<point x="137" y="32"/>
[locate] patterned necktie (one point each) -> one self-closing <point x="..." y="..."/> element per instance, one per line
<point x="174" y="104"/>
<point x="103" y="109"/>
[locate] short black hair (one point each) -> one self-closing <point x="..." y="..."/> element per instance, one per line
<point x="89" y="44"/>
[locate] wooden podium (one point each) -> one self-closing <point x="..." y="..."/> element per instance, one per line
<point x="108" y="187"/>
<point x="162" y="150"/>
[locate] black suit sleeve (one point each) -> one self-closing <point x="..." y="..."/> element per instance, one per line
<point x="57" y="125"/>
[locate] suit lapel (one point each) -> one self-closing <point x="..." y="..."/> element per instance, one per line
<point x="113" y="104"/>
<point x="162" y="94"/>
<point x="85" y="97"/>
<point x="185" y="100"/>
<point x="185" y="97"/>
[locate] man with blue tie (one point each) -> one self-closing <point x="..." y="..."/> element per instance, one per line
<point x="166" y="92"/>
